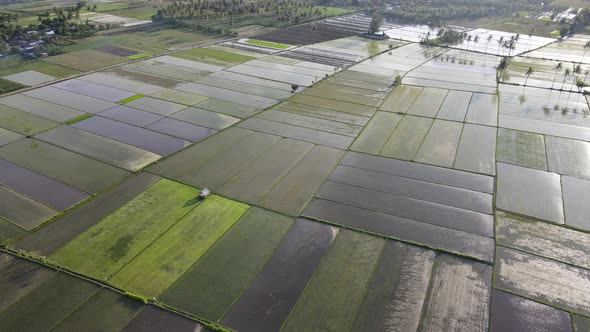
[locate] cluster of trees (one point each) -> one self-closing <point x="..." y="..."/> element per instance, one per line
<point x="62" y="21"/>
<point x="292" y="11"/>
<point x="444" y="37"/>
<point x="578" y="74"/>
<point x="436" y="12"/>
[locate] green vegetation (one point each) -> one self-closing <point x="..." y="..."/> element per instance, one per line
<point x="138" y="56"/>
<point x="173" y="253"/>
<point x="15" y="64"/>
<point x="78" y="119"/>
<point x="7" y="86"/>
<point x="111" y="244"/>
<point x="213" y="56"/>
<point x="130" y="99"/>
<point x="22" y="122"/>
<point x="437" y="12"/>
<point x="338" y="285"/>
<point x="267" y="44"/>
<point x="217" y="279"/>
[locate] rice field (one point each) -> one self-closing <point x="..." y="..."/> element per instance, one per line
<point x="343" y="199"/>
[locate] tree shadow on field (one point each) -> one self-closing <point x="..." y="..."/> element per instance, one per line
<point x="192" y="201"/>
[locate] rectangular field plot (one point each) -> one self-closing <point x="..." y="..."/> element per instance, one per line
<point x="225" y="107"/>
<point x="335" y="105"/>
<point x="98" y="147"/>
<point x="40" y="187"/>
<point x="215" y="281"/>
<point x="247" y="88"/>
<point x="267" y="301"/>
<point x="94" y="90"/>
<point x="122" y="83"/>
<point x="23" y="122"/>
<point x="70" y="99"/>
<point x="227" y="95"/>
<point x="111" y="244"/>
<point x="205" y="118"/>
<point x="252" y="182"/>
<point x="144" y="77"/>
<point x="179" y="97"/>
<point x="130" y="115"/>
<point x="145" y="139"/>
<point x="440" y="144"/>
<point x="458" y="298"/>
<point x="30" y="78"/>
<point x="156" y="106"/>
<point x="40" y="108"/>
<point x="154" y="319"/>
<point x="337" y="141"/>
<point x="105" y="311"/>
<point x="86" y="60"/>
<point x="165" y="260"/>
<point x="477" y="149"/>
<point x="71" y="168"/>
<point x="9" y="230"/>
<point x="545" y="239"/>
<point x="338" y="285"/>
<point x="296" y="188"/>
<point x="18" y="277"/>
<point x="49" y="303"/>
<point x="411" y="202"/>
<point x="521" y="148"/>
<point x="542" y="279"/>
<point x="323" y="113"/>
<point x="275" y="75"/>
<point x="407" y="138"/>
<point x="310" y="122"/>
<point x="151" y="68"/>
<point x="377" y="133"/>
<point x="7" y="136"/>
<point x="455" y="106"/>
<point x="345" y="97"/>
<point x="567" y="156"/>
<point x="334" y="85"/>
<point x="214" y="56"/>
<point x="56" y="234"/>
<point x="181" y="129"/>
<point x="396" y="291"/>
<point x="401" y="99"/>
<point x="428" y="102"/>
<point x="22" y="210"/>
<point x="530" y="192"/>
<point x="483" y="109"/>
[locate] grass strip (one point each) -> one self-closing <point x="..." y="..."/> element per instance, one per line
<point x="130" y="98"/>
<point x="78" y="118"/>
<point x="138" y="56"/>
<point x="267" y="43"/>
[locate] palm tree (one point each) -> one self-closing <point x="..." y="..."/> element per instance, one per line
<point x="528" y="73"/>
<point x="490" y="37"/>
<point x="586" y="47"/>
<point x="500" y="42"/>
<point x="566" y="73"/>
<point x="502" y="66"/>
<point x="577" y="70"/>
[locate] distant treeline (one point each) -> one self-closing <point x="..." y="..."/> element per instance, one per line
<point x="436" y="12"/>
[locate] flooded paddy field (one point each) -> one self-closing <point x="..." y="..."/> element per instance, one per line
<point x="343" y="199"/>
